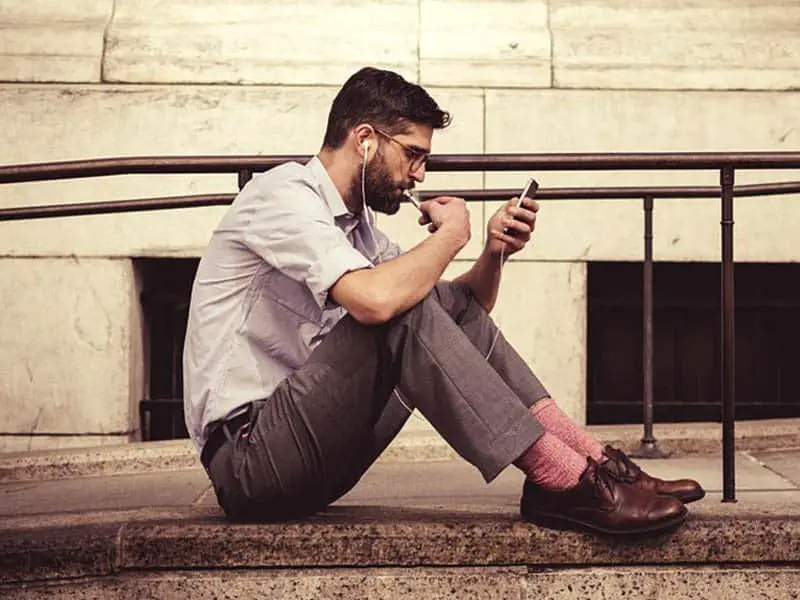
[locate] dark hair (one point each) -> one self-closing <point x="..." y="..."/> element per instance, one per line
<point x="384" y="99"/>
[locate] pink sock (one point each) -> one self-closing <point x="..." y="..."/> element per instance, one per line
<point x="552" y="464"/>
<point x="555" y="421"/>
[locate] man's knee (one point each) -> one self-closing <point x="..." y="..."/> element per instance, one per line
<point x="456" y="298"/>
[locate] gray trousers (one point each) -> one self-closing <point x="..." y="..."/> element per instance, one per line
<point x="315" y="436"/>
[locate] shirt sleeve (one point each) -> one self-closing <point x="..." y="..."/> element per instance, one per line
<point x="291" y="228"/>
<point x="387" y="249"/>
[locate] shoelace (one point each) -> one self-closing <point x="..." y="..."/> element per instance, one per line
<point x="604" y="482"/>
<point x="624" y="468"/>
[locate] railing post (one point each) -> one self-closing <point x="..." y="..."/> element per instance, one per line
<point x="728" y="379"/>
<point x="245" y="175"/>
<point x="648" y="448"/>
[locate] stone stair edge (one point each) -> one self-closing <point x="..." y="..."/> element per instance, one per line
<point x="366" y="537"/>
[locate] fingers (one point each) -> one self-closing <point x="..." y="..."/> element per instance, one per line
<point x="530" y="204"/>
<point x="516" y="228"/>
<point x="525" y="212"/>
<point x="445" y="208"/>
<point x="513" y="243"/>
<point x="446" y="199"/>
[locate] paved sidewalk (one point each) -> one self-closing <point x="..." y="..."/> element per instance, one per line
<point x="760" y="476"/>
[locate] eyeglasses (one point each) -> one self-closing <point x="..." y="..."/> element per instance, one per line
<point x="415" y="156"/>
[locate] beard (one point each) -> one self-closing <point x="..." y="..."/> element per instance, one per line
<point x="382" y="194"/>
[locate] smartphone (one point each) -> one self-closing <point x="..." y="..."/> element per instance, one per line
<point x="531" y="187"/>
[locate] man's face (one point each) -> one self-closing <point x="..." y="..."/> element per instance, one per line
<point x="398" y="164"/>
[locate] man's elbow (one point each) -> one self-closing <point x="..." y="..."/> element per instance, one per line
<point x="374" y="310"/>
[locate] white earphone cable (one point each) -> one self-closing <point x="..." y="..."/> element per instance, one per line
<point x="364" y="175"/>
<point x="416" y="203"/>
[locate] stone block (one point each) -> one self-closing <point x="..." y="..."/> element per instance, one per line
<point x="484" y="44"/>
<point x="66" y="343"/>
<point x="48" y="40"/>
<point x="264" y="42"/>
<point x="752" y="534"/>
<point x="720" y="44"/>
<point x="689" y="583"/>
<point x="411" y="583"/>
<point x="57" y="552"/>
<point x="34" y="443"/>
<point x="67" y="122"/>
<point x="556" y="121"/>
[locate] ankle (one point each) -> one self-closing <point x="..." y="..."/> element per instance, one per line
<point x="552" y="465"/>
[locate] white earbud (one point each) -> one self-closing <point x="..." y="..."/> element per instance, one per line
<point x="365" y="145"/>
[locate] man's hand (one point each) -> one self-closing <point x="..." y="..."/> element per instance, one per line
<point x="510" y="228"/>
<point x="446" y="212"/>
<point x="376" y="295"/>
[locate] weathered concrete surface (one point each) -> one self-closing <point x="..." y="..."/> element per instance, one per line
<point x="711" y="582"/>
<point x="36" y="549"/>
<point x="437" y="513"/>
<point x="268" y="42"/>
<point x="661" y="44"/>
<point x="67" y="346"/>
<point x="437" y="583"/>
<point x="51" y="40"/>
<point x="786" y="464"/>
<point x="484" y="44"/>
<point x="112" y="492"/>
<point x="637" y="121"/>
<point x="491" y="583"/>
<point x="473" y="43"/>
<point x="392" y="535"/>
<point x="417" y="443"/>
<point x="58" y="122"/>
<point x="398" y="484"/>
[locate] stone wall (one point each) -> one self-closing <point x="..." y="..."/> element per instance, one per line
<point x="102" y="78"/>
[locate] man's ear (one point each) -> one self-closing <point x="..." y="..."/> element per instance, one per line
<point x="363" y="138"/>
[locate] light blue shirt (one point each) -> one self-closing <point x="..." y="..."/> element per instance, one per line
<point x="260" y="302"/>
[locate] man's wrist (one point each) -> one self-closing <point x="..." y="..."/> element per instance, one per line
<point x="457" y="233"/>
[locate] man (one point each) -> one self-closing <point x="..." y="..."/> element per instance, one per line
<point x="310" y="335"/>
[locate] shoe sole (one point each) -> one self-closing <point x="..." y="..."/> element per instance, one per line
<point x="561" y="522"/>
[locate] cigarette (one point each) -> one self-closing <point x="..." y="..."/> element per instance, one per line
<point x="412" y="199"/>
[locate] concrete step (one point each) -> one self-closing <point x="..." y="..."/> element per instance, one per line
<point x="420" y="530"/>
<point x="434" y="583"/>
<point x="358" y="551"/>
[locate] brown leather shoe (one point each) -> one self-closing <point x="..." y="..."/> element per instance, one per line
<point x="622" y="468"/>
<point x="600" y="503"/>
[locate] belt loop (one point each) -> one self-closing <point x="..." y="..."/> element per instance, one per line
<point x="227" y="433"/>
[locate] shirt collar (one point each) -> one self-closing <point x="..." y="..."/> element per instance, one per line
<point x="329" y="192"/>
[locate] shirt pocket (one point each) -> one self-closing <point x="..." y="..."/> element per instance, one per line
<point x="284" y="320"/>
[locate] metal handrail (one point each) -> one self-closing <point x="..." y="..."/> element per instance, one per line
<point x="570" y="193"/>
<point x="441" y="162"/>
<point x="245" y="166"/>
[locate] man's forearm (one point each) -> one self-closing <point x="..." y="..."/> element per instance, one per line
<point x="376" y="295"/>
<point x="484" y="279"/>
